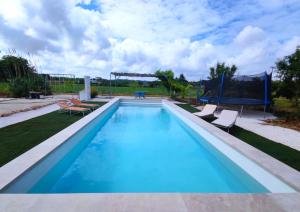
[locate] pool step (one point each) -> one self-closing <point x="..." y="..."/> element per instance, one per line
<point x="141" y="101"/>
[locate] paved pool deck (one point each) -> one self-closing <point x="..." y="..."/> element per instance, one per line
<point x="31" y="108"/>
<point x="23" y="116"/>
<point x="152" y="201"/>
<point x="278" y="134"/>
<point x="9" y="106"/>
<point x="254" y="121"/>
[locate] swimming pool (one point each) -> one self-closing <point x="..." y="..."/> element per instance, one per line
<point x="134" y="147"/>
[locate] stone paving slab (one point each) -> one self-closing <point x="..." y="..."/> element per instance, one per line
<point x="151" y="202"/>
<point x="9" y="106"/>
<point x="175" y="201"/>
<point x="278" y="134"/>
<point x="23" y="116"/>
<point x="254" y="122"/>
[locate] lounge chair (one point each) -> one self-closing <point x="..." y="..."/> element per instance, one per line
<point x="208" y="110"/>
<point x="64" y="107"/>
<point x="226" y="119"/>
<point x="78" y="103"/>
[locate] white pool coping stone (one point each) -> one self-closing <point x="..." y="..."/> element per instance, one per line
<point x="272" y="183"/>
<point x="152" y="201"/>
<point x="19" y="165"/>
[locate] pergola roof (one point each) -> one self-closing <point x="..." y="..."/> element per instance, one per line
<point x="126" y="74"/>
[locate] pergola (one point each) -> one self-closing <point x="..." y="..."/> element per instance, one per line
<point x="126" y="74"/>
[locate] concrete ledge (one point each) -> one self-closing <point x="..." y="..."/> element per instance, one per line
<point x="275" y="167"/>
<point x="19" y="165"/>
<point x="150" y="202"/>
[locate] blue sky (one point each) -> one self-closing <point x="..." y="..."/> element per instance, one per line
<point x="99" y="36"/>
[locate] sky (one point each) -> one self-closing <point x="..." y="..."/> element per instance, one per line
<point x="95" y="37"/>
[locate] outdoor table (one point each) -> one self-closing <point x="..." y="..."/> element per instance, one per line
<point x="139" y="94"/>
<point x="34" y="94"/>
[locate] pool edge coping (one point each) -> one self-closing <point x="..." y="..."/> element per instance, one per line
<point x="16" y="167"/>
<point x="159" y="201"/>
<point x="285" y="173"/>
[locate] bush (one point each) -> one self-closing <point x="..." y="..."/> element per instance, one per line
<point x="19" y="87"/>
<point x="39" y="84"/>
<point x="94" y="92"/>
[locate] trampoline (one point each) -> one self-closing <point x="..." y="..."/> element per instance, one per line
<point x="238" y="90"/>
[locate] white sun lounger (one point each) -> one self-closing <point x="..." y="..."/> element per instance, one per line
<point x="208" y="110"/>
<point x="226" y="119"/>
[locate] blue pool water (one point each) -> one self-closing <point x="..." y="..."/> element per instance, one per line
<point x="140" y="149"/>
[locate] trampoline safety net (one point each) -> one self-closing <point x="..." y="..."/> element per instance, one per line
<point x="239" y="89"/>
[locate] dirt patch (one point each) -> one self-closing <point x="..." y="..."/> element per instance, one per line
<point x="291" y="124"/>
<point x="26" y="109"/>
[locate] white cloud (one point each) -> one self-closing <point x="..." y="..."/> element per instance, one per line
<point x="288" y="47"/>
<point x="142" y="36"/>
<point x="249" y="36"/>
<point x="159" y="20"/>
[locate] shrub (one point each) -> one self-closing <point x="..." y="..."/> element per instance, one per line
<point x="19" y="87"/>
<point x="94" y="93"/>
<point x="39" y="84"/>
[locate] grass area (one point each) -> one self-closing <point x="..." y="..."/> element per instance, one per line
<point x="188" y="107"/>
<point x="288" y="113"/>
<point x="18" y="138"/>
<point x="279" y="151"/>
<point x="4" y="88"/>
<point x="284" y="105"/>
<point x="130" y="90"/>
<point x="103" y="90"/>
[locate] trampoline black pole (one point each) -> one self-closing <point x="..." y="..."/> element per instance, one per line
<point x="221" y="89"/>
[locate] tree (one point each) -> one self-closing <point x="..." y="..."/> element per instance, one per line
<point x="288" y="70"/>
<point x="12" y="67"/>
<point x="178" y="85"/>
<point x="166" y="77"/>
<point x="182" y="79"/>
<point x="221" y="68"/>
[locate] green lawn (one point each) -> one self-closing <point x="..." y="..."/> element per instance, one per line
<point x="18" y="138"/>
<point x="104" y="90"/>
<point x="279" y="151"/>
<point x="4" y="88"/>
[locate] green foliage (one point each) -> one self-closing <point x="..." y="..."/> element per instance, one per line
<point x="166" y="77"/>
<point x="185" y="90"/>
<point x="182" y="79"/>
<point x="221" y="68"/>
<point x="22" y="76"/>
<point x="4" y="89"/>
<point x="19" y="87"/>
<point x="134" y="84"/>
<point x="288" y="70"/>
<point x="15" y="67"/>
<point x="177" y="86"/>
<point x="94" y="92"/>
